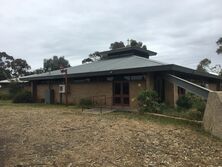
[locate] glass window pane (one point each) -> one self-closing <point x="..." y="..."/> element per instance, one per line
<point x="117" y="100"/>
<point x="125" y="88"/>
<point x="117" y="88"/>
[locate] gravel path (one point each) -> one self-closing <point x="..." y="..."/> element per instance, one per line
<point x="66" y="137"/>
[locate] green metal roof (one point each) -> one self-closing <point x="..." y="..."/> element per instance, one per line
<point x="122" y="63"/>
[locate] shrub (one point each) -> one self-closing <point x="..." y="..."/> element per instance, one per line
<point x="85" y="103"/>
<point x="4" y="96"/>
<point x="184" y="102"/>
<point x="197" y="102"/>
<point x="148" y="101"/>
<point x="195" y="115"/>
<point x="14" y="88"/>
<point x="23" y="97"/>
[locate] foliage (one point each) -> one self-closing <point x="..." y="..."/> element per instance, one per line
<point x="55" y="63"/>
<point x="189" y="101"/>
<point x="87" y="60"/>
<point x="23" y="97"/>
<point x="197" y="102"/>
<point x="148" y="101"/>
<point x="38" y="71"/>
<point x="203" y="66"/>
<point x="20" y="67"/>
<point x="138" y="44"/>
<point x="14" y="88"/>
<point x="10" y="67"/>
<point x="85" y="103"/>
<point x="5" y="65"/>
<point x="219" y="43"/>
<point x="184" y="102"/>
<point x="4" y="96"/>
<point x="194" y="115"/>
<point x="117" y="45"/>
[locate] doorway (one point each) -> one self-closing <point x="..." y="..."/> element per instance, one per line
<point x="121" y="93"/>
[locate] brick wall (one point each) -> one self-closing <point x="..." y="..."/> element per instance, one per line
<point x="135" y="88"/>
<point x="41" y="89"/>
<point x="87" y="90"/>
<point x="171" y="94"/>
<point x="101" y="91"/>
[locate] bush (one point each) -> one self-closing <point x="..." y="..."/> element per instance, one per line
<point x="23" y="97"/>
<point x="184" y="102"/>
<point x="197" y="102"/>
<point x="14" y="88"/>
<point x="86" y="103"/>
<point x="195" y="115"/>
<point x="148" y="101"/>
<point x="4" y="97"/>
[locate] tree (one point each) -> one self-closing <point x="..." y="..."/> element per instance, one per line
<point x="38" y="71"/>
<point x="92" y="57"/>
<point x="19" y="67"/>
<point x="10" y="67"/>
<point x="116" y="45"/>
<point x="5" y="65"/>
<point x="216" y="69"/>
<point x="87" y="60"/>
<point x="55" y="63"/>
<point x="219" y="43"/>
<point x="95" y="56"/>
<point x="134" y="43"/>
<point x="203" y="66"/>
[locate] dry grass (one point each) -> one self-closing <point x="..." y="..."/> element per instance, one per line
<point x="32" y="135"/>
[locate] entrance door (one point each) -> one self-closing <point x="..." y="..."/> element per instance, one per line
<point x="121" y="93"/>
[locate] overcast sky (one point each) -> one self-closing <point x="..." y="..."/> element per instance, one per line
<point x="181" y="32"/>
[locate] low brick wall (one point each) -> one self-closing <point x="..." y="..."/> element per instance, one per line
<point x="213" y="114"/>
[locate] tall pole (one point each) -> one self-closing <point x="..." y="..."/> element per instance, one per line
<point x="66" y="85"/>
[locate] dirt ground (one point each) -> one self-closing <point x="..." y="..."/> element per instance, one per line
<point x="57" y="136"/>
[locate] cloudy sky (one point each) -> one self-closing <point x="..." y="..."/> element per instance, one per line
<point x="182" y="32"/>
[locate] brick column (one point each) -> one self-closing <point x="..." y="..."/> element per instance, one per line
<point x="34" y="90"/>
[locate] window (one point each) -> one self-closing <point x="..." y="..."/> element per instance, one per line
<point x="181" y="91"/>
<point x="137" y="78"/>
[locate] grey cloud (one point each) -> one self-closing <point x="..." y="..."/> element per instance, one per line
<point x="181" y="32"/>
